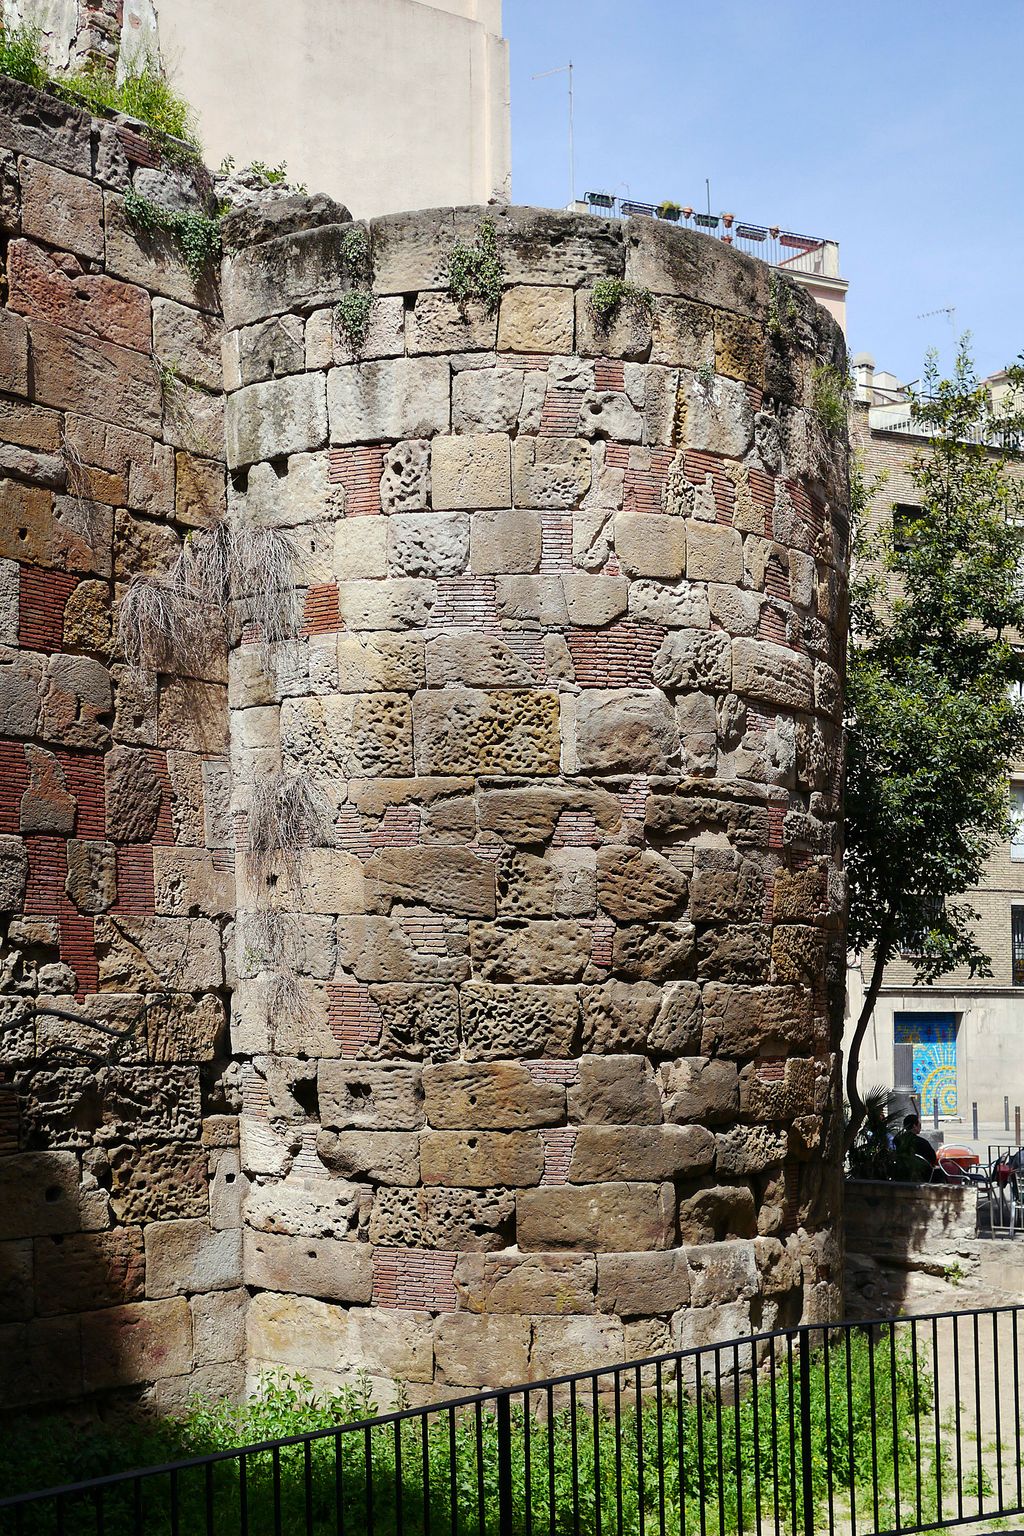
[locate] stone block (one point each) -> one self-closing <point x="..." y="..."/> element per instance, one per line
<point x="307" y="1208"/>
<point x="564" y="1344"/>
<point x="681" y="606"/>
<point x="530" y="1283"/>
<point x="352" y="734"/>
<point x="651" y="544"/>
<point x="716" y="418"/>
<point x="389" y="400"/>
<point x="183" y="1257"/>
<point x="446" y="879"/>
<point x="384" y="1157"/>
<point x="218" y="1327"/>
<point x="463" y="730"/>
<point x="400" y="603"/>
<point x="478" y="661"/>
<point x="713" y="553"/>
<point x="615" y="1090"/>
<point x="697" y="1088"/>
<point x="501" y="1021"/>
<point x="437" y="323"/>
<point x="552" y="473"/>
<point x="682" y="334"/>
<point x="84" y="373"/>
<point x="594" y="600"/>
<point x="749" y="1149"/>
<point x="21" y="676"/>
<point x="416" y="1021"/>
<point x="721" y="1273"/>
<point x="653" y="952"/>
<point x="685" y="264"/>
<point x="471" y="471"/>
<point x="14" y="334"/>
<point x="427" y="543"/>
<point x="482" y="1351"/>
<point x="157" y="1183"/>
<point x="361" y="549"/>
<point x="13" y="873"/>
<point x="42" y="289"/>
<point x="319" y="1335"/>
<point x="658" y="1152"/>
<point x="494" y="1096"/>
<point x="481" y="1159"/>
<point x="504" y="542"/>
<point x="327" y="343"/>
<point x="308" y="1266"/>
<point x="625" y="332"/>
<point x="270" y="349"/>
<point x="188" y="883"/>
<point x="39" y="1194"/>
<point x="540" y="600"/>
<point x="16" y="1299"/>
<point x="467" y="1220"/>
<point x="153" y="260"/>
<point x="536" y="320"/>
<point x="740" y="347"/>
<point x="140" y="954"/>
<point x="716" y="1212"/>
<point x="365" y="1096"/>
<point x="189" y="342"/>
<point x="80" y="1271"/>
<point x="47" y="805"/>
<point x="625" y="731"/>
<point x="41" y="1360"/>
<point x="635" y="883"/>
<point x="693" y="659"/>
<point x="773" y="673"/>
<point x="487" y="400"/>
<point x="299" y="270"/>
<point x="39" y="124"/>
<point x="549" y="951"/>
<point x="92" y="875"/>
<point x="263" y="421"/>
<point x="643" y="1284"/>
<point x="142" y="1342"/>
<point x="606" y="1218"/>
<point x="618" y="1016"/>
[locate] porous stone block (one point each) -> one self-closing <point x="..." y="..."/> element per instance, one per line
<point x="536" y="320"/>
<point x="438" y="323"/>
<point x="447" y="879"/>
<point x="607" y="1218"/>
<point x="473" y="470"/>
<point x="633" y="884"/>
<point x="491" y="1096"/>
<point x="286" y="415"/>
<point x="774" y="673"/>
<point x="552" y="473"/>
<point x="466" y="1220"/>
<point x="310" y="1208"/>
<point x="365" y="1096"/>
<point x="501" y="1021"/>
<point x="487" y="399"/>
<point x="615" y="1090"/>
<point x="464" y="730"/>
<point x="390" y="399"/>
<point x="427" y="543"/>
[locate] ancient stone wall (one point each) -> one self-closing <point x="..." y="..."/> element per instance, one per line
<point x="120" y="1243"/>
<point x="555" y="1081"/>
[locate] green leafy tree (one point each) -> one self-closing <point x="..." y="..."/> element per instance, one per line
<point x="932" y="728"/>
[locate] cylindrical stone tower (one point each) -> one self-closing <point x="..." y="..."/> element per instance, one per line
<point x="540" y="1042"/>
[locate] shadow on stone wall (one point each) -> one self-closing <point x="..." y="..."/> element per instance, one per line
<point x="909" y="1247"/>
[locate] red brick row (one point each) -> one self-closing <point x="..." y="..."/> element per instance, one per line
<point x="414" y="1278"/>
<point x="42" y="598"/>
<point x="359" y="471"/>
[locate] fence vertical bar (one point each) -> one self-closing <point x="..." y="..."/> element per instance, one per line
<point x="639" y="1451"/>
<point x="618" y="1451"/>
<point x="368" y="1472"/>
<point x="503" y="1413"/>
<point x="661" y="1449"/>
<point x="478" y="1424"/>
<point x="175" y="1512"/>
<point x="1016" y="1408"/>
<point x="895" y="1425"/>
<point x="527" y="1463"/>
<point x="275" y="1473"/>
<point x="827" y="1365"/>
<point x="701" y="1479"/>
<point x="719" y="1448"/>
<point x="977" y="1414"/>
<point x="137" y="1525"/>
<point x="736" y="1424"/>
<point x="399" y="1511"/>
<point x="999" y="1417"/>
<point x="339" y="1488"/>
<point x="425" y="1458"/>
<point x="453" y="1480"/>
<point x="756" y="1430"/>
<point x="956" y="1400"/>
<point x="574" y="1459"/>
<point x="307" y="1487"/>
<point x="873" y="1398"/>
<point x="794" y="1513"/>
<point x="938" y="1420"/>
<point x="680" y="1435"/>
<point x="806" y="1456"/>
<point x="551" y="1461"/>
<point x="595" y="1413"/>
<point x="917" y="1421"/>
<point x="775" y="1438"/>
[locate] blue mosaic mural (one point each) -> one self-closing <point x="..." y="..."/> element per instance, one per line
<point x="932" y="1038"/>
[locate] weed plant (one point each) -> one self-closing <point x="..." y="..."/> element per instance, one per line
<point x="608" y="296"/>
<point x="676" y="1466"/>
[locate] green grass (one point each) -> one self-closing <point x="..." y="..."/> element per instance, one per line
<point x="679" y="1442"/>
<point x="21" y="56"/>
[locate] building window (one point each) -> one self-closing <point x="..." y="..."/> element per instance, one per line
<point x="1017" y="832"/>
<point x="932" y="910"/>
<point x="1017" y="942"/>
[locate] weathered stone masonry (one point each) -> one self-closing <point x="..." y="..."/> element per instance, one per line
<point x="560" y="1086"/>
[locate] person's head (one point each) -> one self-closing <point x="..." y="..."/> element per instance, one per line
<point x="912" y="1123"/>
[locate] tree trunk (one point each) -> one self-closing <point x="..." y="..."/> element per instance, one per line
<point x="883" y="950"/>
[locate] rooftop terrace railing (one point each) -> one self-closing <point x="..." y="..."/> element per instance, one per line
<point x="908" y="1425"/>
<point x="779" y="247"/>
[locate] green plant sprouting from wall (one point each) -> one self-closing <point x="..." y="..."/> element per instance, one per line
<point x="352" y="316"/>
<point x="610" y="294"/>
<point x="196" y="236"/>
<point x="476" y="271"/>
<point x="831" y="391"/>
<point x="782" y="309"/>
<point x="21" y="56"/>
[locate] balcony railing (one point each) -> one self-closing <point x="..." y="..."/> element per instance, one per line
<point x="810" y="254"/>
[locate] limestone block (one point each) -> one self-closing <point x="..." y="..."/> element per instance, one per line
<point x="651" y="544"/>
<point x="315" y="1335"/>
<point x="533" y="1283"/>
<point x="218" y="1327"/>
<point x="308" y="1266"/>
<point x="327" y="343"/>
<point x="13" y="873"/>
<point x="748" y="1149"/>
<point x="349" y="733"/>
<point x="330" y="881"/>
<point x="189" y="884"/>
<point x="694" y="659"/>
<point x="548" y="951"/>
<point x="14" y="341"/>
<point x="479" y="661"/>
<point x="481" y="1159"/>
<point x="562" y="1344"/>
<point x="227" y="1189"/>
<point x="625" y="731"/>
<point x="426" y="543"/>
<point x="740" y="347"/>
<point x="486" y="400"/>
<point x="615" y="1090"/>
<point x="39" y="1193"/>
<point x="625" y="333"/>
<point x="306" y="1208"/>
<point x="504" y="542"/>
<point x="550" y="472"/>
<point x="685" y="264"/>
<point x="138" y="954"/>
<point x="298" y="270"/>
<point x="603" y="1152"/>
<point x="482" y="1351"/>
<point x="716" y="1212"/>
<point x="594" y="600"/>
<point x="446" y="879"/>
<point x="16" y="1301"/>
<point x="187" y="1256"/>
<point x="735" y="952"/>
<point x="697" y="1088"/>
<point x="157" y="1183"/>
<point x="468" y="1220"/>
<point x="464" y="730"/>
<point x="21" y="676"/>
<point x="87" y="619"/>
<point x="385" y="1157"/>
<point x="643" y="1284"/>
<point x="682" y="334"/>
<point x="607" y="1218"/>
<point x="47" y="805"/>
<point x="501" y="1021"/>
<point x="634" y="883"/>
<point x="540" y="600"/>
<point x="287" y="415"/>
<point x="76" y="702"/>
<point x="774" y="673"/>
<point x="92" y="875"/>
<point x="738" y="612"/>
<point x="438" y="323"/>
<point x="718" y="895"/>
<point x="192" y="716"/>
<point x="618" y="1016"/>
<point x="682" y="606"/>
<point x="529" y="813"/>
<point x="654" y="952"/>
<point x="536" y="320"/>
<point x="610" y="414"/>
<point x="188" y="342"/>
<point x="717" y="418"/>
<point x="361" y="548"/>
<point x="696" y="1328"/>
<point x="45" y="127"/>
<point x="471" y="471"/>
<point x="142" y="1342"/>
<point x="389" y="400"/>
<point x="387" y="949"/>
<point x="401" y="603"/>
<point x="713" y="553"/>
<point x="364" y="1096"/>
<point x="9" y="600"/>
<point x="492" y="1096"/>
<point x="267" y="350"/>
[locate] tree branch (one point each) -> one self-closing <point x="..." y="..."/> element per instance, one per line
<point x="883" y="951"/>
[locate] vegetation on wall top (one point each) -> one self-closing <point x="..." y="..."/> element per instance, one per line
<point x="609" y="294"/>
<point x="475" y="271"/>
<point x="197" y="237"/>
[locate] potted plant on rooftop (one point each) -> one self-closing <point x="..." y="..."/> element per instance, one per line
<point x="670" y="211"/>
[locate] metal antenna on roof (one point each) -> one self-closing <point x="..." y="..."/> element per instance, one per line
<point x="561" y="70"/>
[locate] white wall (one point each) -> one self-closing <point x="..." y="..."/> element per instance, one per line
<point x="383" y="104"/>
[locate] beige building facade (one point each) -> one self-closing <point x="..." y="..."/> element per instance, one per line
<point x="958" y="1041"/>
<point x="385" y="105"/>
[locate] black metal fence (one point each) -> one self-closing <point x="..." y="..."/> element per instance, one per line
<point x="908" y="1425"/>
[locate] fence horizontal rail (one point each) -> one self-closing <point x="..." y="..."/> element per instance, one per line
<point x="905" y="1425"/>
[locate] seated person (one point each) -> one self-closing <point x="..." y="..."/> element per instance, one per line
<point x="921" y="1147"/>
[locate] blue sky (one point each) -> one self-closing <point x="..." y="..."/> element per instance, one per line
<point x="893" y="126"/>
